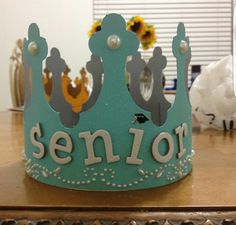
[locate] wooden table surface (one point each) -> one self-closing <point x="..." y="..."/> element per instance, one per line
<point x="211" y="185"/>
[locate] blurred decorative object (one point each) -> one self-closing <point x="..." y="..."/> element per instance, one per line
<point x="137" y="25"/>
<point x="95" y="27"/>
<point x="148" y="38"/>
<point x="174" y="86"/>
<point x="75" y="92"/>
<point x="16" y="73"/>
<point x="212" y="96"/>
<point x="145" y="32"/>
<point x="47" y="82"/>
<point x="78" y="95"/>
<point x="146" y="83"/>
<point x="195" y="71"/>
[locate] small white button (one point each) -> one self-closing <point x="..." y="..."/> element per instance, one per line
<point x="113" y="41"/>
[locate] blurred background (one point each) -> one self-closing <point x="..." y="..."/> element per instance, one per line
<point x="65" y="24"/>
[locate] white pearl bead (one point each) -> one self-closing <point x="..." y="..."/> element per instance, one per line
<point x="183" y="46"/>
<point x="33" y="48"/>
<point x="113" y="41"/>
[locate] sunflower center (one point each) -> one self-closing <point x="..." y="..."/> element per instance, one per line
<point x="98" y="28"/>
<point x="136" y="26"/>
<point x="147" y="35"/>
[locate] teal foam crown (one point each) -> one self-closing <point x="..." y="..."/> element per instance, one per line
<point x="106" y="146"/>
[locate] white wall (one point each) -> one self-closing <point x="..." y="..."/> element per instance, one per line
<point x="64" y="23"/>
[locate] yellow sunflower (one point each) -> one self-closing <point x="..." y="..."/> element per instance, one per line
<point x="148" y="37"/>
<point x="137" y="25"/>
<point x="95" y="28"/>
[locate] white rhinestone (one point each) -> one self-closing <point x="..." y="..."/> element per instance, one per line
<point x="33" y="48"/>
<point x="57" y="170"/>
<point x="183" y="46"/>
<point x="159" y="174"/>
<point x="45" y="174"/>
<point x="189" y="159"/>
<point x="113" y="41"/>
<point x="141" y="172"/>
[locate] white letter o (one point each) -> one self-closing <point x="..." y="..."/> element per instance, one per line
<point x="155" y="152"/>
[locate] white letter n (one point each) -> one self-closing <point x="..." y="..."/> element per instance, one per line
<point x="89" y="140"/>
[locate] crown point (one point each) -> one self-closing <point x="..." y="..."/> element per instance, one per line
<point x="55" y="53"/>
<point x="180" y="44"/>
<point x="33" y="30"/>
<point x="113" y="36"/>
<point x="181" y="29"/>
<point x="157" y="51"/>
<point x="112" y="19"/>
<point x="35" y="45"/>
